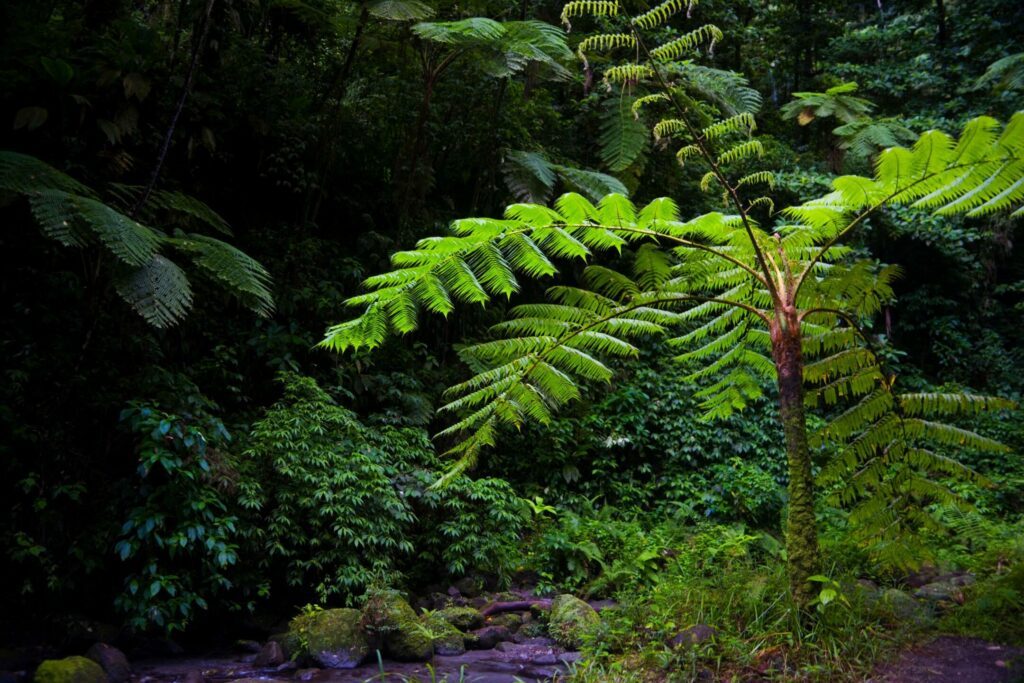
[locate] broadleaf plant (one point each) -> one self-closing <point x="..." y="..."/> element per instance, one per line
<point x="759" y="296"/>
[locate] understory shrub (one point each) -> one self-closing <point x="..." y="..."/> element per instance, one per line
<point x="344" y="505"/>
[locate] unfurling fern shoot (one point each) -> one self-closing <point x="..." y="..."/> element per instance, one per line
<point x="757" y="304"/>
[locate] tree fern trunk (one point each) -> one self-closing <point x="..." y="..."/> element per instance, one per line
<point x="801" y="527"/>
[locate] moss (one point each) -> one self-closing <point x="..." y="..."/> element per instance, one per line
<point x="70" y="670"/>
<point x="570" y="619"/>
<point x="447" y="640"/>
<point x="462" y="618"/>
<point x="509" y="620"/>
<point x="387" y="616"/>
<point x="335" y="638"/>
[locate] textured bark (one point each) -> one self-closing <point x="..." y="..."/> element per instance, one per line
<point x="801" y="526"/>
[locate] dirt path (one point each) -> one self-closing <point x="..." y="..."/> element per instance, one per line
<point x="955" y="660"/>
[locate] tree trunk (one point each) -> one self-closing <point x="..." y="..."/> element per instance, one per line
<point x="801" y="527"/>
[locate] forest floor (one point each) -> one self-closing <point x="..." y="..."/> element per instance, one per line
<point x="950" y="659"/>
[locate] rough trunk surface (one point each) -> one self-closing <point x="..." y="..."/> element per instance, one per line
<point x="801" y="527"/>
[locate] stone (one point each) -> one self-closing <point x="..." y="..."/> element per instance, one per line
<point x="941" y="594"/>
<point x="510" y="620"/>
<point x="112" y="661"/>
<point x="390" y="618"/>
<point x="306" y="674"/>
<point x="462" y="618"/>
<point x="333" y="637"/>
<point x="542" y="641"/>
<point x="271" y="654"/>
<point x="694" y="635"/>
<point x="194" y="677"/>
<point x="469" y="586"/>
<point x="488" y="637"/>
<point x="903" y="606"/>
<point x="570" y="619"/>
<point x="448" y="641"/>
<point x="70" y="670"/>
<point x="532" y="629"/>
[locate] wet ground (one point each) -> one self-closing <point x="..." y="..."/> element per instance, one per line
<point x="955" y="660"/>
<point x="529" y="663"/>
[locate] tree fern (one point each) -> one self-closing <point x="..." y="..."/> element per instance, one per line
<point x="755" y="305"/>
<point x="154" y="286"/>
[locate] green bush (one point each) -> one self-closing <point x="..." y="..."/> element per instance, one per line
<point x="180" y="540"/>
<point x="344" y="505"/>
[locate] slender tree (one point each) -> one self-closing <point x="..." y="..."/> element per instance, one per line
<point x="759" y="296"/>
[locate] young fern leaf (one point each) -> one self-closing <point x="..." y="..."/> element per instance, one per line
<point x="687" y="43"/>
<point x="605" y="42"/>
<point x="659" y="14"/>
<point x="592" y="8"/>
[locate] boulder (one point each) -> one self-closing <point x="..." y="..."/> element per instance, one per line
<point x="462" y="618"/>
<point x="510" y="620"/>
<point x="941" y="594"/>
<point x="271" y="654"/>
<point x="332" y="637"/>
<point x="540" y="641"/>
<point x="390" y="618"/>
<point x="70" y="670"/>
<point x="469" y="586"/>
<point x="112" y="661"/>
<point x="694" y="635"/>
<point x="447" y="640"/>
<point x="903" y="606"/>
<point x="488" y="637"/>
<point x="570" y="618"/>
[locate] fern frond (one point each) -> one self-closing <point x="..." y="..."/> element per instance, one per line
<point x="687" y="43"/>
<point x="159" y="291"/>
<point x="741" y="152"/>
<point x="628" y="73"/>
<point x="623" y="137"/>
<point x="236" y="271"/>
<point x="659" y="14"/>
<point x="592" y="8"/>
<point x="670" y="127"/>
<point x="646" y="100"/>
<point x="605" y="42"/>
<point x="24" y="174"/>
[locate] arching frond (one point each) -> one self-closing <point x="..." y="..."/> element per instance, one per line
<point x="685" y="44"/>
<point x="661" y="13"/>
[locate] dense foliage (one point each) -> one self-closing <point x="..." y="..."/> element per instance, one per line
<point x="191" y="189"/>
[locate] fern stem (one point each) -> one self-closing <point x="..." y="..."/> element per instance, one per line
<point x="710" y="159"/>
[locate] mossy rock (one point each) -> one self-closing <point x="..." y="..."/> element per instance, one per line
<point x="333" y="637"/>
<point x="70" y="670"/>
<point x="533" y="629"/>
<point x="462" y="618"/>
<point x="390" y="618"/>
<point x="570" y="618"/>
<point x="509" y="620"/>
<point x="446" y="639"/>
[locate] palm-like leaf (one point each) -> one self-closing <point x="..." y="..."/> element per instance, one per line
<point x="155" y="287"/>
